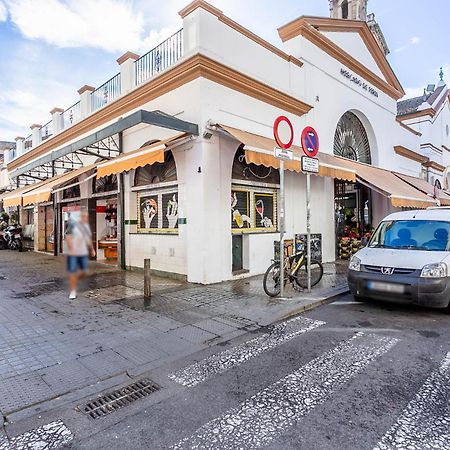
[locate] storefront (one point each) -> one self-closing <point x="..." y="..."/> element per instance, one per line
<point x="189" y="179"/>
<point x="105" y="191"/>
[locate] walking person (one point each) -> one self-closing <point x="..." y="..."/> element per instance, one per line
<point x="79" y="247"/>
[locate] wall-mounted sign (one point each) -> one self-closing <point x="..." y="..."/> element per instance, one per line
<point x="359" y="82"/>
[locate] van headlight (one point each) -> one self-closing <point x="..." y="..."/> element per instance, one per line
<point x="437" y="270"/>
<point x="355" y="264"/>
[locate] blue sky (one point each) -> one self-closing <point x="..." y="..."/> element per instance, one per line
<point x="50" y="48"/>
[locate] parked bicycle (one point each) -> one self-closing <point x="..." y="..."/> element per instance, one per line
<point x="295" y="272"/>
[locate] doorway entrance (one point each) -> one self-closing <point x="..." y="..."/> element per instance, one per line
<point x="238" y="253"/>
<point x="353" y="212"/>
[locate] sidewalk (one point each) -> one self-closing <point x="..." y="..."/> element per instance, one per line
<point x="51" y="348"/>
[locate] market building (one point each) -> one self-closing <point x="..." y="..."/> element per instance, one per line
<point x="173" y="156"/>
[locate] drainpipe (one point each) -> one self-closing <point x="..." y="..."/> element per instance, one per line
<point x="121" y="211"/>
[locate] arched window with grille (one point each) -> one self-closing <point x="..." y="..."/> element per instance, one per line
<point x="350" y="139"/>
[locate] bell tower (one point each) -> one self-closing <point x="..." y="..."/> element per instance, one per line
<point x="348" y="9"/>
<point x="357" y="10"/>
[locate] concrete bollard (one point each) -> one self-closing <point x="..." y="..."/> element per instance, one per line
<point x="147" y="280"/>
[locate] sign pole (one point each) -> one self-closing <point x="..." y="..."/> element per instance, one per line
<point x="282" y="228"/>
<point x="308" y="228"/>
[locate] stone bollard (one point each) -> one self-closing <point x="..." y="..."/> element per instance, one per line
<point x="147" y="280"/>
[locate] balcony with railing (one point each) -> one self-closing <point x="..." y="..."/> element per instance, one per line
<point x="47" y="130"/>
<point x="28" y="143"/>
<point x="144" y="68"/>
<point x="71" y="115"/>
<point x="160" y="58"/>
<point x="106" y="93"/>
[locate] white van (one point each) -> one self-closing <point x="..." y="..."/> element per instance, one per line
<point x="407" y="260"/>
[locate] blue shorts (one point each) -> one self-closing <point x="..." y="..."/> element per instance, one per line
<point x="77" y="262"/>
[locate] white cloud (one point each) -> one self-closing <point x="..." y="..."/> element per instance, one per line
<point x="3" y="12"/>
<point x="111" y="25"/>
<point x="415" y="40"/>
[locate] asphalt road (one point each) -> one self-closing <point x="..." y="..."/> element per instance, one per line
<point x="345" y="376"/>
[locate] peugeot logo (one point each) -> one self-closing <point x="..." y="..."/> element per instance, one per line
<point x="387" y="270"/>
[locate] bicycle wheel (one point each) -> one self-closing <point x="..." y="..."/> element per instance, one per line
<point x="271" y="283"/>
<point x="301" y="277"/>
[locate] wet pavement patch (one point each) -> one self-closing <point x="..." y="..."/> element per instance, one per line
<point x="429" y="334"/>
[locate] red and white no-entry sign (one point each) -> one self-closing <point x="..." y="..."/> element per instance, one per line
<point x="284" y="142"/>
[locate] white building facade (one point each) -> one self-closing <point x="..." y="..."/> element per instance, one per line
<point x="173" y="158"/>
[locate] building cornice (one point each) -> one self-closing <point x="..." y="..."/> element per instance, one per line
<point x="423" y="113"/>
<point x="434" y="165"/>
<point x="407" y="127"/>
<point x="430" y="145"/>
<point x="196" y="66"/>
<point x="311" y="27"/>
<point x="410" y="154"/>
<point x="239" y="28"/>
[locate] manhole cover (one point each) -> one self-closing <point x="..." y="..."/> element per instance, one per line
<point x="115" y="400"/>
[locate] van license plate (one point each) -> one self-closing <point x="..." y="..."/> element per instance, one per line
<point x="386" y="287"/>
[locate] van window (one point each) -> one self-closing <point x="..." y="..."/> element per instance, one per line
<point x="427" y="235"/>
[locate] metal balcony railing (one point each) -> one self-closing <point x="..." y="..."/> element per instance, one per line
<point x="160" y="58"/>
<point x="47" y="130"/>
<point x="71" y="115"/>
<point x="28" y="143"/>
<point x="106" y="93"/>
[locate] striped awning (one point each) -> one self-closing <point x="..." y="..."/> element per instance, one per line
<point x="43" y="193"/>
<point x="141" y="157"/>
<point x="259" y="150"/>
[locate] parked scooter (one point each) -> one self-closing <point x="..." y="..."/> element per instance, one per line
<point x="4" y="223"/>
<point x="13" y="237"/>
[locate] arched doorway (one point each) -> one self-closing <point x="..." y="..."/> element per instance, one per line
<point x="353" y="201"/>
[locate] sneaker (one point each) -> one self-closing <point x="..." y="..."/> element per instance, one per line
<point x="73" y="295"/>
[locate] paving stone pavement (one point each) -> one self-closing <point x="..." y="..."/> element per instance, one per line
<point x="50" y="346"/>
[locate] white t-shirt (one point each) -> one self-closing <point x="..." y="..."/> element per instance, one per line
<point x="81" y="235"/>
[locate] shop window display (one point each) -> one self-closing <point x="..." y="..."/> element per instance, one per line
<point x="158" y="211"/>
<point x="253" y="209"/>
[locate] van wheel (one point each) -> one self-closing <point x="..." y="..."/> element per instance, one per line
<point x="447" y="310"/>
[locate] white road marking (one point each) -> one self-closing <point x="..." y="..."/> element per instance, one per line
<point x="223" y="361"/>
<point x="269" y="413"/>
<point x="51" y="436"/>
<point x="425" y="423"/>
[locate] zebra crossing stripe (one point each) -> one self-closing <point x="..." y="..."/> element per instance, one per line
<point x="425" y="423"/>
<point x="50" y="436"/>
<point x="269" y="413"/>
<point x="223" y="361"/>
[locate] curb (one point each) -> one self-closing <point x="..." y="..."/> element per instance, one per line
<point x="315" y="304"/>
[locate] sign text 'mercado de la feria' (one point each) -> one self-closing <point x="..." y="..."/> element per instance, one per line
<point x="354" y="79"/>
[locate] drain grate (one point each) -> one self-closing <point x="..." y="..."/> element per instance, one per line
<point x="115" y="400"/>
